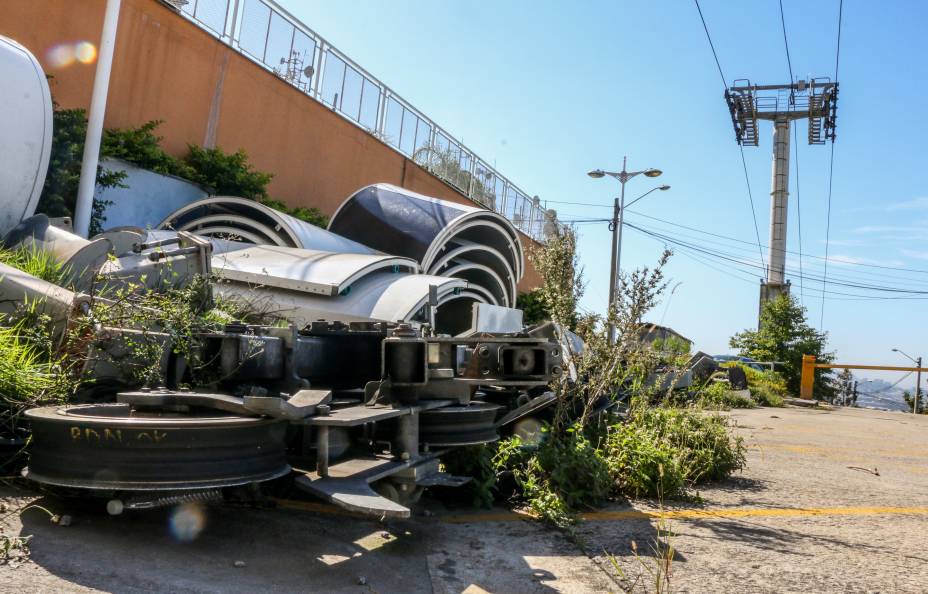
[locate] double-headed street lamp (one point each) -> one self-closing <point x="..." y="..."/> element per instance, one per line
<point x="616" y="224"/>
<point x="918" y="378"/>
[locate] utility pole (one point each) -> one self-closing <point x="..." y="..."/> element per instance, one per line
<point x="618" y="209"/>
<point x="918" y="384"/>
<point x="815" y="100"/>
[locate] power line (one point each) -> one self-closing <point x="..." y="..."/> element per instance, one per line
<point x="747" y="182"/>
<point x="744" y="241"/>
<point x="691" y="254"/>
<point x="858" y="273"/>
<point x="735" y="258"/>
<point x="711" y="45"/>
<point x="786" y="43"/>
<point x="743" y="162"/>
<point x="831" y="170"/>
<point x="789" y="65"/>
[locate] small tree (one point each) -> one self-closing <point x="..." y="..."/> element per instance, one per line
<point x="785" y="335"/>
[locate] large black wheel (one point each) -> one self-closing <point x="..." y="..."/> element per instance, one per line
<point x="112" y="447"/>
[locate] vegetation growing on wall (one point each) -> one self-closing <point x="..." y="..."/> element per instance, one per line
<point x="219" y="172"/>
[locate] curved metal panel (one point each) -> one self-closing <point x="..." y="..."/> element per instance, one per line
<point x="292" y="231"/>
<point x="309" y="271"/>
<point x="472" y="252"/>
<point x="484" y="232"/>
<point x="482" y="276"/>
<point x="380" y="296"/>
<point x="222" y="232"/>
<point x="25" y="133"/>
<point x="417" y="226"/>
<point x="250" y="226"/>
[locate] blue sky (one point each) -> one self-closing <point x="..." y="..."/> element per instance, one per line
<point x="548" y="91"/>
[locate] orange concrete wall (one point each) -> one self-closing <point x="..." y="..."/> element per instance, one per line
<point x="166" y="68"/>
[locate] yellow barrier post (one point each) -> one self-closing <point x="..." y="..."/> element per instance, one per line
<point x="808" y="377"/>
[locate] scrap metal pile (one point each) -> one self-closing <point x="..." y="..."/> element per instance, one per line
<point x="386" y="340"/>
<point x="340" y="397"/>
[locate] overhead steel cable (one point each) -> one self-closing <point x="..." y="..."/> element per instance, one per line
<point x="879" y="266"/>
<point x="831" y="170"/>
<point x="742" y="246"/>
<point x="751" y="277"/>
<point x="711" y="45"/>
<point x="741" y="261"/>
<point x="747" y="180"/>
<point x="786" y="44"/>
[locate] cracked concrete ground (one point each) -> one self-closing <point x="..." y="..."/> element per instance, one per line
<point x="798" y="519"/>
<point x="808" y="514"/>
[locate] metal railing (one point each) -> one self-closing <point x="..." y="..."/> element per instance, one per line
<point x="266" y="33"/>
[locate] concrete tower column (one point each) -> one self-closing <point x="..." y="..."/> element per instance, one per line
<point x="779" y="194"/>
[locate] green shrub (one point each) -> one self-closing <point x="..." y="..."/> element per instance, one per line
<point x="719" y="396"/>
<point x="768" y="388"/>
<point x="142" y="147"/>
<point x="661" y="451"/>
<point x="227" y="174"/>
<point x="59" y="194"/>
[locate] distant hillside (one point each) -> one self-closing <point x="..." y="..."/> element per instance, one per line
<point x="877" y="393"/>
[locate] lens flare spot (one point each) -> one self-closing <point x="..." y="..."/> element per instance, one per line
<point x="85" y="52"/>
<point x="61" y="55"/>
<point x="187" y="522"/>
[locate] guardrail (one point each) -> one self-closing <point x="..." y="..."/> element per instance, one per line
<point x="266" y="33"/>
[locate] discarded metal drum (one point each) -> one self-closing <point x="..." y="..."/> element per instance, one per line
<point x="112" y="447"/>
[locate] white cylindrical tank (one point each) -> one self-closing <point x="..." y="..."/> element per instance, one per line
<point x="25" y="133"/>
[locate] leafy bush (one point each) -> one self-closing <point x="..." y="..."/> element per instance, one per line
<point x="718" y="396"/>
<point x="768" y="388"/>
<point x="142" y="147"/>
<point x="533" y="308"/>
<point x="59" y="194"/>
<point x="222" y="173"/>
<point x="660" y="451"/>
<point x="227" y="174"/>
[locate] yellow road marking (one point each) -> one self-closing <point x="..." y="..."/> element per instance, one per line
<point x="670" y="514"/>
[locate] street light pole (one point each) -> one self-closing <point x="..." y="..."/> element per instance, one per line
<point x="918" y="378"/>
<point x="618" y="211"/>
<point x="918" y="385"/>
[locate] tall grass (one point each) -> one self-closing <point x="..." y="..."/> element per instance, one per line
<point x="30" y="374"/>
<point x="37" y="262"/>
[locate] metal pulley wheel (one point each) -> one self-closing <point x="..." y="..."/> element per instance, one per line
<point x="459" y="425"/>
<point x="113" y="447"/>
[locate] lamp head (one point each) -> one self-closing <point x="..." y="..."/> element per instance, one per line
<point x="664" y="188"/>
<point x="652" y="172"/>
<point x="597" y="173"/>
